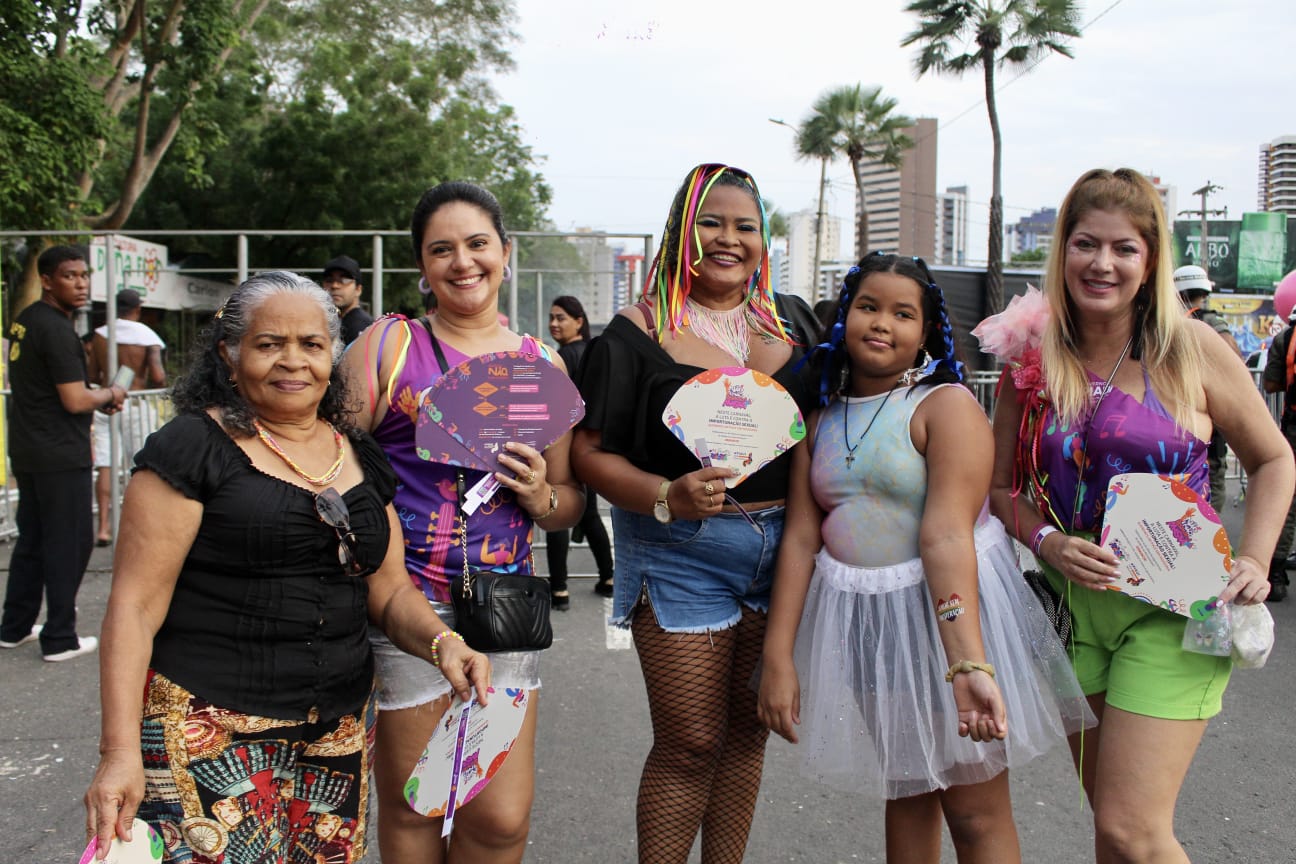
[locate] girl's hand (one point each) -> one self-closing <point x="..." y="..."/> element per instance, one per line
<point x="113" y="797"/>
<point x="1248" y="582"/>
<point x="527" y="479"/>
<point x="981" y="712"/>
<point x="465" y="669"/>
<point x="1086" y="564"/>
<point x="779" y="704"/>
<point x="698" y="495"/>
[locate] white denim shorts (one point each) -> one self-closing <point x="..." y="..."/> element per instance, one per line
<point x="405" y="681"/>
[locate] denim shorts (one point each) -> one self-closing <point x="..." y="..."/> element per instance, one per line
<point x="697" y="573"/>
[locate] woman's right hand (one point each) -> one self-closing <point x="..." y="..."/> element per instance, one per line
<point x="114" y="796"/>
<point x="778" y="705"/>
<point x="466" y="670"/>
<point x="689" y="497"/>
<point x="1080" y="561"/>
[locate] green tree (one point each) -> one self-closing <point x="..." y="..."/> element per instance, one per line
<point x="958" y="35"/>
<point x="857" y="122"/>
<point x="146" y="81"/>
<point x="1029" y="256"/>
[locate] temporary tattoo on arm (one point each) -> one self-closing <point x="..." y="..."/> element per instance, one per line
<point x="949" y="610"/>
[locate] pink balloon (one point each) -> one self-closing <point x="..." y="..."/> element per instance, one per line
<point x="1285" y="296"/>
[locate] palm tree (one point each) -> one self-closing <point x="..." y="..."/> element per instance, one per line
<point x="991" y="33"/>
<point x="856" y="122"/>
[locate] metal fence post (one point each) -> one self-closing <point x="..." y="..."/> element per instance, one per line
<point x="376" y="289"/>
<point x="242" y="259"/>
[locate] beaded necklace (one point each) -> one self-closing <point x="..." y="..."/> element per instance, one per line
<point x="322" y="480"/>
<point x="726" y="329"/>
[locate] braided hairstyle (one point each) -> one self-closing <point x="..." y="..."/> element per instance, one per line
<point x="670" y="277"/>
<point x="831" y="353"/>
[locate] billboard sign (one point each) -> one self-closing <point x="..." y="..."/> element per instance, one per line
<point x="1243" y="256"/>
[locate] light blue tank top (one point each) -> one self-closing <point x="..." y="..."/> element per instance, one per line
<point x="874" y="506"/>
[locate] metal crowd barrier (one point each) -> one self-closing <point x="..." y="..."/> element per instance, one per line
<point x="147" y="410"/>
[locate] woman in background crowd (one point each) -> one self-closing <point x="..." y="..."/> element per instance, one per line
<point x="570" y="328"/>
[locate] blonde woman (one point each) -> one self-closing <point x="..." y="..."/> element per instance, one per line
<point x="1123" y="381"/>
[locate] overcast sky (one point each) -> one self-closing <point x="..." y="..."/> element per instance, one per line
<point x="620" y="100"/>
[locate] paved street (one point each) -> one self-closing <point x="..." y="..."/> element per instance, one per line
<point x="594" y="733"/>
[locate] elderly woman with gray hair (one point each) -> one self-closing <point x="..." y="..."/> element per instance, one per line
<point x="257" y="542"/>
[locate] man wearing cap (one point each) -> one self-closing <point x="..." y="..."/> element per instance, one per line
<point x="342" y="281"/>
<point x="1280" y="377"/>
<point x="50" y="404"/>
<point x="1194" y="287"/>
<point x="139" y="348"/>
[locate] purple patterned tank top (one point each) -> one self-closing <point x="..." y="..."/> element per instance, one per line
<point x="499" y="532"/>
<point x="1125" y="436"/>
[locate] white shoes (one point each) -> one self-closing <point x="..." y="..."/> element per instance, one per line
<point x="30" y="637"/>
<point x="85" y="645"/>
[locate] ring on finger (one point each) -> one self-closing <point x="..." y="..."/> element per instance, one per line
<point x="530" y="477"/>
<point x="708" y="489"/>
<point x="711" y="499"/>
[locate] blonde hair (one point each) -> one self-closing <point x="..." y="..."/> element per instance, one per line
<point x="1163" y="340"/>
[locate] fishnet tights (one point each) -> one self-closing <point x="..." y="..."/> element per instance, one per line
<point x="704" y="768"/>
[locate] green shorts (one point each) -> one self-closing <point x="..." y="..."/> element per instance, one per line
<point x="1133" y="652"/>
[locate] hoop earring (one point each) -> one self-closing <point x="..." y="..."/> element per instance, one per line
<point x="508" y="272"/>
<point x="911" y="375"/>
<point x="424" y="288"/>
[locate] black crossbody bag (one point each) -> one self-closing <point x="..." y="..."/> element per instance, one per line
<point x="494" y="611"/>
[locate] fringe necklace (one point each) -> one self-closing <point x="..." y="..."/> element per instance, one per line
<point x="727" y="330"/>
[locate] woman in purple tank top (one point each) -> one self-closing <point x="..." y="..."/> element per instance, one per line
<point x="461" y="249"/>
<point x="1107" y="376"/>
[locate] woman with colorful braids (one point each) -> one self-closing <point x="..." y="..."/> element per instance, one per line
<point x="924" y="666"/>
<point x="1119" y="380"/>
<point x="692" y="576"/>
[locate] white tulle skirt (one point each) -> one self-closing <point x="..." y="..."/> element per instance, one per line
<point x="877" y="715"/>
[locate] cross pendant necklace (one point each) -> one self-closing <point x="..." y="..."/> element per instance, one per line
<point x="850" y="449"/>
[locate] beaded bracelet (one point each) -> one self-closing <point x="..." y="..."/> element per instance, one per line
<point x="1037" y="539"/>
<point x="436" y="645"/>
<point x="968" y="666"/>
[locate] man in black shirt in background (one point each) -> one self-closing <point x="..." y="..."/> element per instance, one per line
<point x="50" y="407"/>
<point x="342" y="282"/>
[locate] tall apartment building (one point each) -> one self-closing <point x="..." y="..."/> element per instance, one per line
<point x="952" y="226"/>
<point x="1168" y="195"/>
<point x="595" y="287"/>
<point x="1031" y="233"/>
<point x="902" y="203"/>
<point x="795" y="275"/>
<point x="1277" y="180"/>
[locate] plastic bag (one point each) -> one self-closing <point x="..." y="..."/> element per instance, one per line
<point x="1210" y="635"/>
<point x="1253" y="635"/>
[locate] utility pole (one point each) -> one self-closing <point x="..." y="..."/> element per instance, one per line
<point x="819" y="215"/>
<point x="819" y="223"/>
<point x="1203" y="257"/>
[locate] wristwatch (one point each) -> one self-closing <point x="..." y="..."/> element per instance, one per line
<point x="661" y="508"/>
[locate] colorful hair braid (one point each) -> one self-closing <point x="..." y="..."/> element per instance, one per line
<point x="670" y="277"/>
<point x="831" y="353"/>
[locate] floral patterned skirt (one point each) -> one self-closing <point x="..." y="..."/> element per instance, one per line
<point x="222" y="786"/>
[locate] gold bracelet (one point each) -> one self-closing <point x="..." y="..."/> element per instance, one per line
<point x="968" y="666"/>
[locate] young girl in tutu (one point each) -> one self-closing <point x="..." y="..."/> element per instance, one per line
<point x="928" y="667"/>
